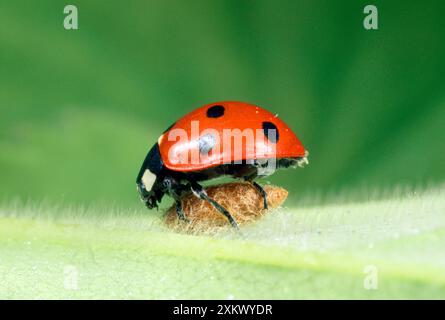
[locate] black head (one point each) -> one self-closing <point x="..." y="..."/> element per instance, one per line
<point x="149" y="181"/>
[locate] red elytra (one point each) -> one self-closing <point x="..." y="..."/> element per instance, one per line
<point x="220" y="139"/>
<point x="233" y="116"/>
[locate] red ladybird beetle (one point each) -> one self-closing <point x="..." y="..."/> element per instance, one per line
<point x="231" y="138"/>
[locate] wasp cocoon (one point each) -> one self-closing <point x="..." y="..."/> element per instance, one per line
<point x="241" y="199"/>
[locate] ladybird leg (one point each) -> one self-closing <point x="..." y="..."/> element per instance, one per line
<point x="175" y="191"/>
<point x="257" y="186"/>
<point x="148" y="198"/>
<point x="198" y="191"/>
<point x="263" y="193"/>
<point x="180" y="212"/>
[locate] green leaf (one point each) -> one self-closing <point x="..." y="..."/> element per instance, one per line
<point x="308" y="252"/>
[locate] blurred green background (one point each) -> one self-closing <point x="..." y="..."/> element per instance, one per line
<point x="80" y="109"/>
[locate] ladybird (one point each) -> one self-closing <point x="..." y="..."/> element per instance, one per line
<point x="228" y="138"/>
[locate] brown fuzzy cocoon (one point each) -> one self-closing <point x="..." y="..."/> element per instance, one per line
<point x="241" y="199"/>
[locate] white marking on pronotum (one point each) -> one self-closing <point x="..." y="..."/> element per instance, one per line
<point x="148" y="179"/>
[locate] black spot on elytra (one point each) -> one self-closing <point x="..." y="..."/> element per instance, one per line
<point x="206" y="143"/>
<point x="215" y="111"/>
<point x="168" y="129"/>
<point x="271" y="131"/>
